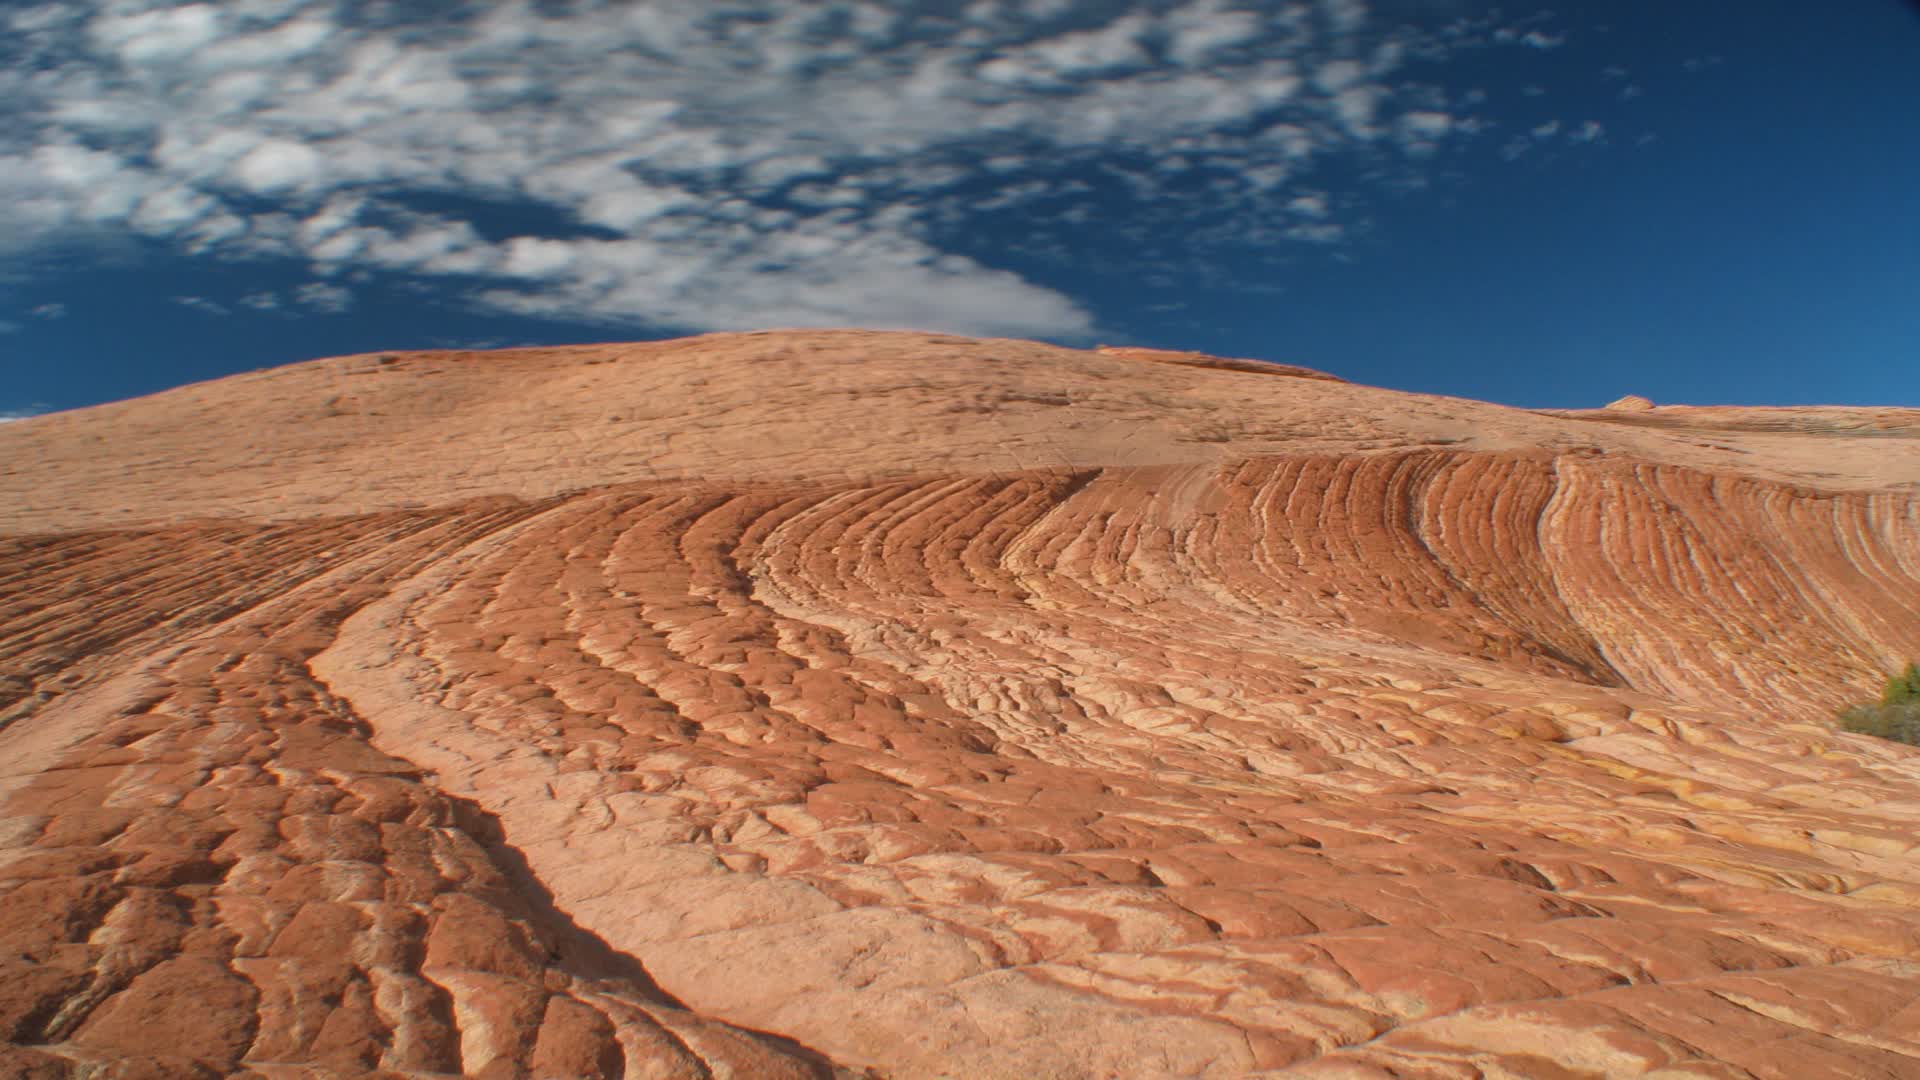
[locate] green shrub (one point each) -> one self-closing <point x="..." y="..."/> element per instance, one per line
<point x="1901" y="723"/>
<point x="1903" y="688"/>
<point x="1897" y="717"/>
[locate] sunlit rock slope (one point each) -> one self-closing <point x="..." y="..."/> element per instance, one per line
<point x="825" y="703"/>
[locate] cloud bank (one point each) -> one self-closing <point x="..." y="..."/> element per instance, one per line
<point x="704" y="166"/>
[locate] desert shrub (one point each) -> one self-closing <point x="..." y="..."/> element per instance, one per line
<point x="1901" y="723"/>
<point x="1896" y="717"/>
<point x="1903" y="688"/>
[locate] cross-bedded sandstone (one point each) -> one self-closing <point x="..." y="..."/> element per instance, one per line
<point x="824" y="702"/>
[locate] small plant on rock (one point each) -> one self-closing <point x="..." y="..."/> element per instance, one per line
<point x="1897" y="717"/>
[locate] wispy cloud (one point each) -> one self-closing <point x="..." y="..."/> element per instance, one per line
<point x="699" y="165"/>
<point x="203" y="305"/>
<point x="1555" y="133"/>
<point x="319" y="296"/>
<point x="316" y="296"/>
<point x="49" y="311"/>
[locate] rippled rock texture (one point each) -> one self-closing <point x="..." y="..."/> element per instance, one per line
<point x="841" y="703"/>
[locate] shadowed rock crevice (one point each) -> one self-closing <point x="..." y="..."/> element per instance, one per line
<point x="587" y="960"/>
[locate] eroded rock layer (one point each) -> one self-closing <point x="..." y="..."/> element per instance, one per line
<point x="978" y="709"/>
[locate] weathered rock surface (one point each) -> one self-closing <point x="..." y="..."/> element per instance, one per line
<point x="812" y="703"/>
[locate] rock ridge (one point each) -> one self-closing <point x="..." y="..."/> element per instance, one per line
<point x="825" y="704"/>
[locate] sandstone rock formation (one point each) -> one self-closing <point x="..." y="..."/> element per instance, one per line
<point x="811" y="704"/>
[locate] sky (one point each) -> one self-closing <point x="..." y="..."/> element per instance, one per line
<point x="1702" y="203"/>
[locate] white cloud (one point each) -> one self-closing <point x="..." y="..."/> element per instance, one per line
<point x="160" y="34"/>
<point x="1196" y="32"/>
<point x="171" y="210"/>
<point x="1115" y="45"/>
<point x="1356" y="106"/>
<point x="1591" y="131"/>
<point x="8" y="416"/>
<point x="29" y="20"/>
<point x="1345" y="16"/>
<point x="537" y="257"/>
<point x="203" y="305"/>
<point x="277" y="45"/>
<point x="1422" y="131"/>
<point x="1337" y="75"/>
<point x="1540" y="39"/>
<point x="1314" y="205"/>
<point x="1323" y="233"/>
<point x="277" y="164"/>
<point x="49" y="311"/>
<point x="322" y="297"/>
<point x="698" y="168"/>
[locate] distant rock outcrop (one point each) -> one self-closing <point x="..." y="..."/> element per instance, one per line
<point x="1631" y="403"/>
<point x="802" y="704"/>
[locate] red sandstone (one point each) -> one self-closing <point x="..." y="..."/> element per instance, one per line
<point x="805" y="704"/>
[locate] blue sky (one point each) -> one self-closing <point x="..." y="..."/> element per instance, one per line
<point x="1701" y="203"/>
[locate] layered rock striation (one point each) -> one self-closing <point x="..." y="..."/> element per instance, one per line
<point x="831" y="703"/>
